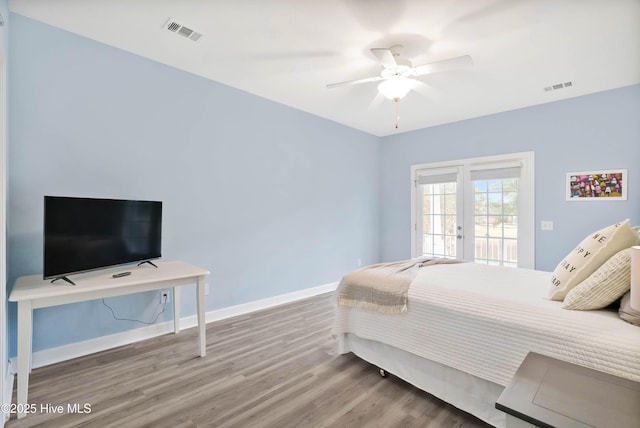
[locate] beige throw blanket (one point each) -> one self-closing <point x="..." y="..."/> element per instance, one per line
<point x="382" y="287"/>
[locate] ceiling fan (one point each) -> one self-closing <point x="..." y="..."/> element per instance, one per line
<point x="398" y="74"/>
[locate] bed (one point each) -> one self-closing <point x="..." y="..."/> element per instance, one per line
<point x="467" y="327"/>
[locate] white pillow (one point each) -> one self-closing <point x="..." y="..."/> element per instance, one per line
<point x="588" y="256"/>
<point x="604" y="286"/>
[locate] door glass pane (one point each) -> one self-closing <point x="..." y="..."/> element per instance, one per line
<point x="510" y="257"/>
<point x="439" y="220"/>
<point x="495" y="203"/>
<point x="496" y="222"/>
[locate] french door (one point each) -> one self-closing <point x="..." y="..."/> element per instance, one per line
<point x="477" y="209"/>
<point x="439" y="214"/>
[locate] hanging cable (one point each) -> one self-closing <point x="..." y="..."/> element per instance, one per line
<point x="164" y="307"/>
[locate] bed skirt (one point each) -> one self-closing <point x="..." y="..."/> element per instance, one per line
<point x="462" y="390"/>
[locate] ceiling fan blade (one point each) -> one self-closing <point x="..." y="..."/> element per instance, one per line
<point x="377" y="100"/>
<point x="444" y="65"/>
<point x="354" y="82"/>
<point x="385" y="56"/>
<point x="497" y="8"/>
<point x="423" y="89"/>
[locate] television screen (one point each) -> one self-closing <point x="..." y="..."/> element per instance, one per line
<point x="83" y="234"/>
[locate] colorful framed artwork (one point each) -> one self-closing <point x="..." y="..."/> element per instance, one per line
<point x="599" y="185"/>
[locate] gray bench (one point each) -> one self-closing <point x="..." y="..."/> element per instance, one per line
<point x="546" y="392"/>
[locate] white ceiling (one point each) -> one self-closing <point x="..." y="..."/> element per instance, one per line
<point x="288" y="50"/>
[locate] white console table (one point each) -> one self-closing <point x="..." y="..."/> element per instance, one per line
<point x="32" y="292"/>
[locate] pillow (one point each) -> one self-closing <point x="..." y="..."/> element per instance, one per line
<point x="626" y="312"/>
<point x="588" y="256"/>
<point x="604" y="286"/>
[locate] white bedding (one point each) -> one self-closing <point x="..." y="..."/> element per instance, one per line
<point x="483" y="320"/>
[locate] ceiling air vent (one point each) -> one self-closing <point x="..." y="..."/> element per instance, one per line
<point x="558" y="86"/>
<point x="186" y="32"/>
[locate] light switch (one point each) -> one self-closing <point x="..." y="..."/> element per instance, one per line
<point x="546" y="225"/>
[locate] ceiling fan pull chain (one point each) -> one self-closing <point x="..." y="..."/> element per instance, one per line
<point x="397" y="115"/>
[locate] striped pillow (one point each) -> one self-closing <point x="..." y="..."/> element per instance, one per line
<point x="604" y="286"/>
<point x="588" y="256"/>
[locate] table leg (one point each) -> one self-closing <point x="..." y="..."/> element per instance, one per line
<point x="25" y="315"/>
<point x="202" y="334"/>
<point x="176" y="310"/>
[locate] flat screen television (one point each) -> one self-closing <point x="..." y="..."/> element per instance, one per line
<point x="85" y="234"/>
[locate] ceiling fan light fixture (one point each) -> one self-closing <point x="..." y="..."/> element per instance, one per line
<point x="395" y="88"/>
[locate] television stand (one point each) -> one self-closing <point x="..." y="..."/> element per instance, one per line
<point x="64" y="278"/>
<point x="148" y="261"/>
<point x="33" y="292"/>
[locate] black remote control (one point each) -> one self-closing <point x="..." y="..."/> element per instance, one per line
<point x="121" y="274"/>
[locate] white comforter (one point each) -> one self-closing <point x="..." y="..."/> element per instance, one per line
<point x="484" y="320"/>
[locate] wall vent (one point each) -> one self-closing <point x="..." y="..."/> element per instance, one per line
<point x="558" y="86"/>
<point x="186" y="32"/>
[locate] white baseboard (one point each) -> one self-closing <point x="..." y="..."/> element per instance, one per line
<point x="78" y="349"/>
<point x="256" y="305"/>
<point x="73" y="350"/>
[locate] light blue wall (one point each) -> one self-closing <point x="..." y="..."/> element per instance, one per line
<point x="584" y="133"/>
<point x="270" y="199"/>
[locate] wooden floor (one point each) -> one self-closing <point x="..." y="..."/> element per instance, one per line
<point x="273" y="368"/>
